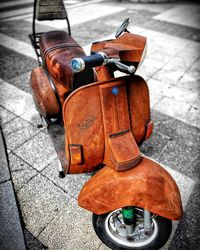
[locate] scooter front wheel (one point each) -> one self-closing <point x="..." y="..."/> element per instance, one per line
<point x="111" y="230"/>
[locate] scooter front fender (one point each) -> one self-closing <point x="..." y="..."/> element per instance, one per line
<point x="147" y="186"/>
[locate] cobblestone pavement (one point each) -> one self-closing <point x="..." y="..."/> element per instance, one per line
<point x="48" y="204"/>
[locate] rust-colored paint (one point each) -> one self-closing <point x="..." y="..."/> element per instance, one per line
<point x="139" y="107"/>
<point x="44" y="96"/>
<point x="84" y="126"/>
<point x="62" y="91"/>
<point x="149" y="130"/>
<point x="121" y="150"/>
<point x="58" y="49"/>
<point x="93" y="125"/>
<point x="147" y="185"/>
<point x="128" y="47"/>
<point x="104" y="73"/>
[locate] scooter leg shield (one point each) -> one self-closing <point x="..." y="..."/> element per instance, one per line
<point x="147" y="185"/>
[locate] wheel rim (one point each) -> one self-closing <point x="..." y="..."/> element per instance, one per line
<point x="118" y="232"/>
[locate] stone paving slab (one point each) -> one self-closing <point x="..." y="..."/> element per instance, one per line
<point x="71" y="184"/>
<point x="173" y="107"/>
<point x="21" y="172"/>
<point x="154" y="145"/>
<point x="194" y="116"/>
<point x="40" y="201"/>
<point x="19" y="129"/>
<point x="180" y="155"/>
<point x="174" y="128"/>
<point x="73" y="225"/>
<point x="162" y="89"/>
<point x="5" y="116"/>
<point x="11" y="234"/>
<point x="172" y="100"/>
<point x="191" y="78"/>
<point x="37" y="152"/>
<point x="187" y="235"/>
<point x="176" y="68"/>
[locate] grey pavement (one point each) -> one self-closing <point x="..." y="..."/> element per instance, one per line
<point x="48" y="205"/>
<point x="11" y="233"/>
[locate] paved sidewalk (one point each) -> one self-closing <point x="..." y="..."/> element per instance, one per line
<point x="48" y="204"/>
<point x="11" y="233"/>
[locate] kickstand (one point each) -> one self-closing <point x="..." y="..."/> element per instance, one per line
<point x="61" y="171"/>
<point x="44" y="122"/>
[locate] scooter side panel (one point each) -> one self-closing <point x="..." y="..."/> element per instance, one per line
<point x="147" y="185"/>
<point x="84" y="137"/>
<point x="139" y="107"/>
<point x="43" y="94"/>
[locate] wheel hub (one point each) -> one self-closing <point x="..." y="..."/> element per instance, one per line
<point x="116" y="229"/>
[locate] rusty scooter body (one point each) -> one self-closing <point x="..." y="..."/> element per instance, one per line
<point x="96" y="121"/>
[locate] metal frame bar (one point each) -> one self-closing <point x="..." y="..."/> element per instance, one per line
<point x="34" y="36"/>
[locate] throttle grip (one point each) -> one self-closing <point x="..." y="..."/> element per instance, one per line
<point x="79" y="64"/>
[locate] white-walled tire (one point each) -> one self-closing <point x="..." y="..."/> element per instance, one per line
<point x="114" y="236"/>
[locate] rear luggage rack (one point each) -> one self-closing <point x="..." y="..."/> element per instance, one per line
<point x="35" y="43"/>
<point x="46" y="10"/>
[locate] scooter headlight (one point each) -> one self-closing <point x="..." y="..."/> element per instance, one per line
<point x="77" y="65"/>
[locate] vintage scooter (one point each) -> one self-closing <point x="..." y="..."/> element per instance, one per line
<point x="96" y="121"/>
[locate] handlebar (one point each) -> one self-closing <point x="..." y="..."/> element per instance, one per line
<point x="79" y="64"/>
<point x="98" y="59"/>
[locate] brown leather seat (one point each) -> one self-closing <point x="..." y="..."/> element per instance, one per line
<point x="58" y="49"/>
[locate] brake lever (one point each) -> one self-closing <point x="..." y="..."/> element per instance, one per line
<point x="131" y="69"/>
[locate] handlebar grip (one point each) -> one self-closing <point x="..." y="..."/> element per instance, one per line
<point x="79" y="64"/>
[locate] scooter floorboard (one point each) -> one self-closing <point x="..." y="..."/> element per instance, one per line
<point x="57" y="133"/>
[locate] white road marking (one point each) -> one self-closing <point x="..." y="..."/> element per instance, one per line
<point x="70" y="4"/>
<point x="18" y="102"/>
<point x="187" y="15"/>
<point x="24" y="14"/>
<point x="13" y="13"/>
<point x="14" y="3"/>
<point x="82" y="14"/>
<point x="16" y="45"/>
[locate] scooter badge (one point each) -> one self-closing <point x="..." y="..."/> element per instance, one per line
<point x="115" y="91"/>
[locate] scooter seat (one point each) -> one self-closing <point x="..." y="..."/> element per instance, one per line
<point x="57" y="50"/>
